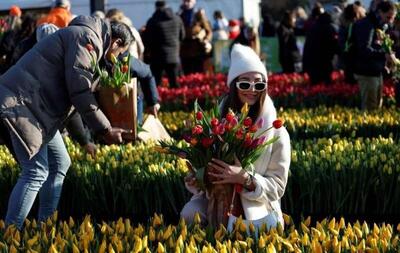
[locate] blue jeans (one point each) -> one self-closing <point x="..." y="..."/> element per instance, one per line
<point x="44" y="173"/>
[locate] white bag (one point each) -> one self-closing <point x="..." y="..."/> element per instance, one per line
<point x="154" y="130"/>
<point x="270" y="220"/>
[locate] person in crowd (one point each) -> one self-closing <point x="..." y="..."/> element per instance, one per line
<point x="12" y="37"/>
<point x="336" y="13"/>
<point x="320" y="47"/>
<point x="35" y="100"/>
<point x="220" y="26"/>
<point x="316" y="11"/>
<point x="370" y="56"/>
<point x="360" y="8"/>
<point x="289" y="53"/>
<point x="249" y="37"/>
<point x="13" y="19"/>
<point x="60" y="15"/>
<point x="301" y="18"/>
<point x="268" y="26"/>
<point x="74" y="125"/>
<point x="147" y="89"/>
<point x="137" y="47"/>
<point x="247" y="80"/>
<point x="234" y="29"/>
<point x="350" y="15"/>
<point x="163" y="36"/>
<point x="98" y="14"/>
<point x="196" y="46"/>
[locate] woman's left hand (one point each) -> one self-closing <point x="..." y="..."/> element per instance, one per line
<point x="225" y="173"/>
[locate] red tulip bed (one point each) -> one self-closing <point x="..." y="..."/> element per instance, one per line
<point x="287" y="90"/>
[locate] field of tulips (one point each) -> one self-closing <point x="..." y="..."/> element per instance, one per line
<point x="287" y="90"/>
<point x="344" y="164"/>
<point x="315" y="122"/>
<point x="329" y="176"/>
<point x="328" y="235"/>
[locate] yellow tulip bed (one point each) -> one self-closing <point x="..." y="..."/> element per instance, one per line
<point x="329" y="176"/>
<point x="315" y="122"/>
<point x="124" y="236"/>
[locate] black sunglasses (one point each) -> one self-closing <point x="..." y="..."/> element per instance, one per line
<point x="246" y="85"/>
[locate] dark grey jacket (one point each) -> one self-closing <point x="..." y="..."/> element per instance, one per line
<point x="37" y="93"/>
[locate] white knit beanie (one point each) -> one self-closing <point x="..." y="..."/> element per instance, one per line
<point x="244" y="60"/>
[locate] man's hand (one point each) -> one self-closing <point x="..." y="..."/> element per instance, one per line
<point x="90" y="148"/>
<point x="153" y="109"/>
<point x="114" y="135"/>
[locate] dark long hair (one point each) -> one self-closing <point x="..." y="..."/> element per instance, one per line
<point x="232" y="101"/>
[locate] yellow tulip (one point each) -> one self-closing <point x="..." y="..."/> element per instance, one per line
<point x="167" y="233"/>
<point x="32" y="241"/>
<point x="110" y="249"/>
<point x="261" y="242"/>
<point x="197" y="219"/>
<point x="75" y="248"/>
<point x="103" y="246"/>
<point x="316" y="247"/>
<point x="245" y="109"/>
<point x="13" y="249"/>
<point x="271" y="248"/>
<point x="160" y="248"/>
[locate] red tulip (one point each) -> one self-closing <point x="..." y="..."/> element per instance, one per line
<point x="230" y="116"/>
<point x="197" y="130"/>
<point x="214" y="122"/>
<point x="89" y="47"/>
<point x="247" y="122"/>
<point x="253" y="128"/>
<point x="278" y="123"/>
<point x="124" y="68"/>
<point x="207" y="142"/>
<point x="199" y="115"/>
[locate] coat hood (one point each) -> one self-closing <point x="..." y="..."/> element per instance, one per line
<point x="100" y="27"/>
<point x="164" y="14"/>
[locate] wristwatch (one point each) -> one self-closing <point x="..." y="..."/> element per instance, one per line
<point x="249" y="181"/>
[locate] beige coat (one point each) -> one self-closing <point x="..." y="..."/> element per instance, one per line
<point x="271" y="169"/>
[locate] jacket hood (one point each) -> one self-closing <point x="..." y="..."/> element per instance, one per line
<point x="100" y="27"/>
<point x="164" y="14"/>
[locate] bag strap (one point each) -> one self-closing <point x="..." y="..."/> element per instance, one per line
<point x="348" y="43"/>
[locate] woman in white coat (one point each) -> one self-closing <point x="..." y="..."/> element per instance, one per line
<point x="260" y="198"/>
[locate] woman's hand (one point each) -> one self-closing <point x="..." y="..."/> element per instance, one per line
<point x="225" y="173"/>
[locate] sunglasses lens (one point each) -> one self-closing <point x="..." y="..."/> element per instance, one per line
<point x="260" y="86"/>
<point x="244" y="85"/>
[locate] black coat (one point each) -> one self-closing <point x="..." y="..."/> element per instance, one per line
<point x="320" y="47"/>
<point x="289" y="53"/>
<point x="164" y="32"/>
<point x="370" y="56"/>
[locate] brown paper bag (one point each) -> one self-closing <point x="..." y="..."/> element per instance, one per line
<point x="120" y="107"/>
<point x="153" y="130"/>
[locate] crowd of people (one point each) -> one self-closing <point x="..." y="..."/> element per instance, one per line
<point x="346" y="38"/>
<point x="47" y="84"/>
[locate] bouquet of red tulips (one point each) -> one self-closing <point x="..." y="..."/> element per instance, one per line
<point x="221" y="138"/>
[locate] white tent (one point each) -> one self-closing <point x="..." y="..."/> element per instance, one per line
<point x="141" y="10"/>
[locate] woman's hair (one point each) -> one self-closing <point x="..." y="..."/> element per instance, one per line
<point x="121" y="31"/>
<point x="232" y="101"/>
<point x="114" y="14"/>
